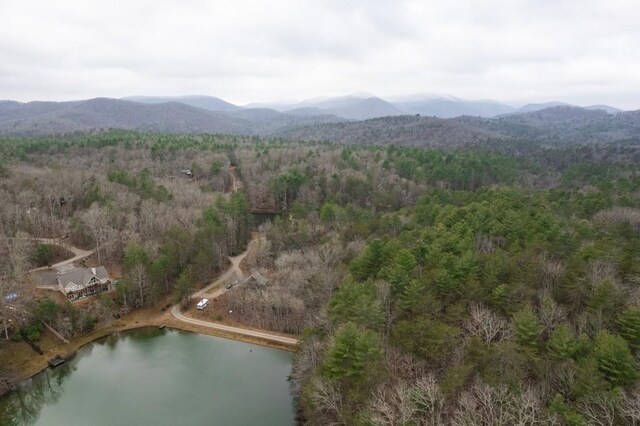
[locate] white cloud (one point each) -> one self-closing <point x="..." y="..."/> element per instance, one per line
<point x="581" y="51"/>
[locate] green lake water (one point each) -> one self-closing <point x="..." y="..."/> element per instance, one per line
<point x="155" y="377"/>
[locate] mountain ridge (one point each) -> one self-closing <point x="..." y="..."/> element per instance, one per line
<point x="362" y="106"/>
<point x="354" y="106"/>
<point x="551" y="126"/>
<point x="559" y="124"/>
<point x="211" y="103"/>
<point x="38" y="118"/>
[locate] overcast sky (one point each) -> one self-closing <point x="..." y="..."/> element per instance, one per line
<point x="517" y="51"/>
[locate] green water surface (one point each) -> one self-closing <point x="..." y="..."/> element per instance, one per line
<point x="155" y="377"/>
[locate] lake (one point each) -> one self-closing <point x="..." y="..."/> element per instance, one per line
<point x="158" y="377"/>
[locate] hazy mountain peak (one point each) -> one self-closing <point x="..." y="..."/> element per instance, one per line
<point x="353" y="107"/>
<point x="449" y="107"/>
<point x="542" y="105"/>
<point x="210" y="103"/>
<point x="606" y="108"/>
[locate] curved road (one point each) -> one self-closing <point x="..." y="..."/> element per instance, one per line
<point x="265" y="335"/>
<point x="218" y="286"/>
<point x="234" y="269"/>
<point x="78" y="253"/>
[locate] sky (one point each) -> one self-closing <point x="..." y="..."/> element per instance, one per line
<point x="515" y="51"/>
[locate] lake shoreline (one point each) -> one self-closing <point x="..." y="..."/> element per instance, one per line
<point x="193" y="378"/>
<point x="147" y="318"/>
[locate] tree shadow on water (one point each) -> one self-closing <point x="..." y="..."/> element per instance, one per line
<point x="23" y="405"/>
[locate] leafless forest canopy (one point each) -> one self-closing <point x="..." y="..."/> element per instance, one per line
<point x="468" y="286"/>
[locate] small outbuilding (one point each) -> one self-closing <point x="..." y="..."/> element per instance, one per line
<point x="256" y="280"/>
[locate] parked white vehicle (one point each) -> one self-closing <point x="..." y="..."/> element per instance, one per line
<point x="202" y="304"/>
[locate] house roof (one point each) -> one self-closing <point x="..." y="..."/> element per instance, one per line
<point x="257" y="278"/>
<point x="82" y="276"/>
<point x="72" y="280"/>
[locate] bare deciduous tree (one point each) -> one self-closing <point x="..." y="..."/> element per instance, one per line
<point x="487" y="405"/>
<point x="552" y="271"/>
<point x="97" y="223"/>
<point x="15" y="286"/>
<point x="403" y="366"/>
<point x="600" y="271"/>
<point x="618" y="214"/>
<point x="487" y="325"/>
<point x="551" y="314"/>
<point x="429" y="400"/>
<point x="393" y="405"/>
<point x="599" y="409"/>
<point x="308" y="359"/>
<point x="328" y="401"/>
<point x="630" y="406"/>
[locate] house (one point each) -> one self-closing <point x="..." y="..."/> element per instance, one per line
<point x="256" y="280"/>
<point x="77" y="283"/>
<point x="83" y="282"/>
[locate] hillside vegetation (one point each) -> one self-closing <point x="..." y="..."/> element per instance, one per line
<point x="49" y="118"/>
<point x="549" y="127"/>
<point x="334" y="123"/>
<point x="429" y="286"/>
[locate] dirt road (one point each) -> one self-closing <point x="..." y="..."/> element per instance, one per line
<point x="265" y="335"/>
<point x="78" y="253"/>
<point x="216" y="289"/>
<point x="233" y="273"/>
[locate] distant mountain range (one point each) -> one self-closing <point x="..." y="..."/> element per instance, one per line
<point x="451" y="107"/>
<point x="537" y="107"/>
<point x="365" y="106"/>
<point x="347" y="119"/>
<point x="37" y="118"/>
<point x="564" y="124"/>
<point x="205" y="102"/>
<point x="547" y="127"/>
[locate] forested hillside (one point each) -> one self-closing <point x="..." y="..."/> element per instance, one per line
<point x="426" y="132"/>
<point x="550" y="127"/>
<point x="165" y="231"/>
<point x="565" y="125"/>
<point x="515" y="133"/>
<point x="47" y="118"/>
<point x="429" y="286"/>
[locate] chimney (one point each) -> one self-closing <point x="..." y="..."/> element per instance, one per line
<point x="93" y="271"/>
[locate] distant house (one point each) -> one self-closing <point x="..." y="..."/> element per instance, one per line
<point x="77" y="283"/>
<point x="256" y="280"/>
